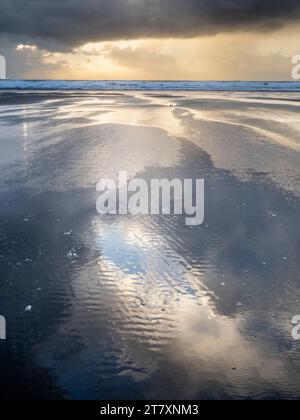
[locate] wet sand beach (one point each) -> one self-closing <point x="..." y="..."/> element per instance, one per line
<point x="145" y="307"/>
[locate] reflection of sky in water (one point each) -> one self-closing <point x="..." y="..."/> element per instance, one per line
<point x="135" y="250"/>
<point x="128" y="257"/>
<point x="147" y="307"/>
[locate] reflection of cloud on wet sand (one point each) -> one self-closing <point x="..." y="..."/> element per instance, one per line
<point x="147" y="301"/>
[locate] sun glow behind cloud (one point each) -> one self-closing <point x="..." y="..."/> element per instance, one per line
<point x="239" y="56"/>
<point x="150" y="39"/>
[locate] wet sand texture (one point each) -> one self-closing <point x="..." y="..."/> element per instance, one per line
<point x="145" y="307"/>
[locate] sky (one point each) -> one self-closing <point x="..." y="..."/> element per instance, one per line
<point x="150" y="39"/>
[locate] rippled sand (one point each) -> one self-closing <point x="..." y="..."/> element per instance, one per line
<point x="145" y="307"/>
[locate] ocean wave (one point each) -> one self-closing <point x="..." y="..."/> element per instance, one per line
<point x="148" y="85"/>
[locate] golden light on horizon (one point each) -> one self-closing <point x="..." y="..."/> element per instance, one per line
<point x="230" y="56"/>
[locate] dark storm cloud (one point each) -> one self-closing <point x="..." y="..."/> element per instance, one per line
<point x="74" y="22"/>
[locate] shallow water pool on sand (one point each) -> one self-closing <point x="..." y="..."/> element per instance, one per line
<point x="145" y="307"/>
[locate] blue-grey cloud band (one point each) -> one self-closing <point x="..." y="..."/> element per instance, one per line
<point x="69" y="23"/>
